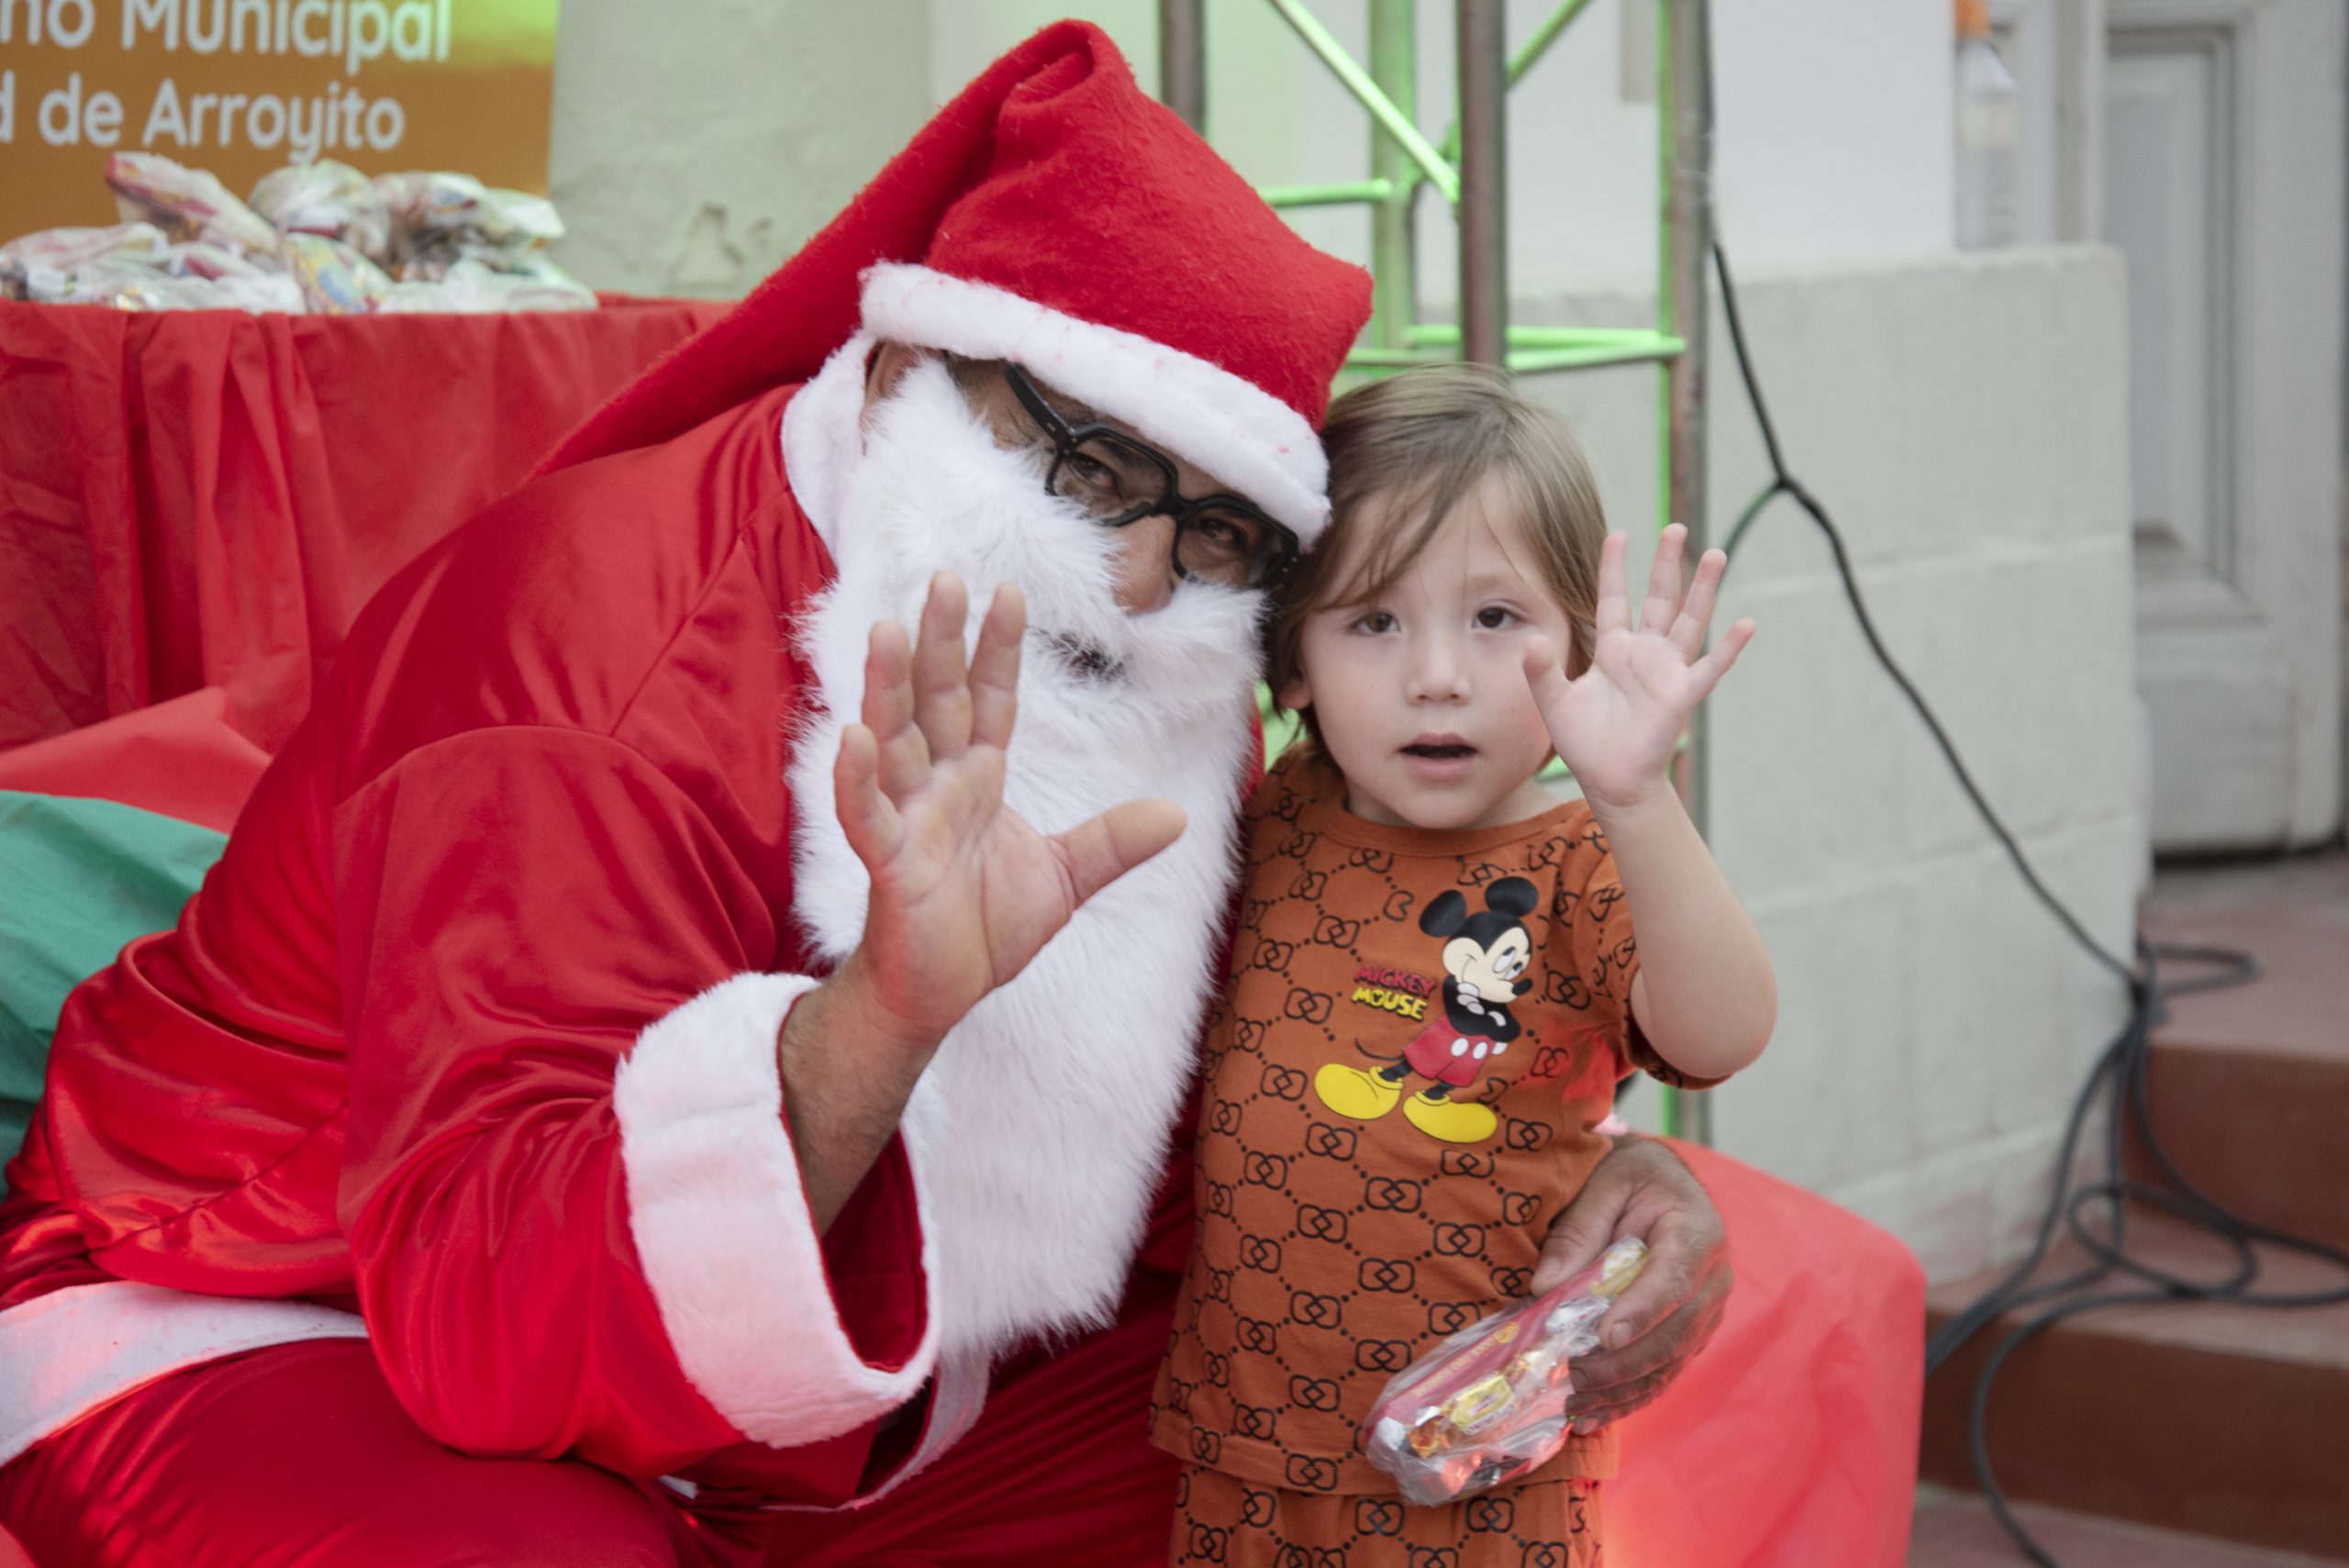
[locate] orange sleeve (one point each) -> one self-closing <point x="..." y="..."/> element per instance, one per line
<point x="1594" y="934"/>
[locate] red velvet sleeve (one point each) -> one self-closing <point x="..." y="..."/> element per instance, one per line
<point x="573" y="1208"/>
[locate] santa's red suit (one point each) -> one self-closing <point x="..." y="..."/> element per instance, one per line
<point x="468" y="1045"/>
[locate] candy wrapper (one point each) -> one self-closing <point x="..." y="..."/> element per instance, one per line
<point x="1489" y="1404"/>
<point x="469" y="288"/>
<point x="329" y="198"/>
<point x="440" y="219"/>
<point x="335" y="278"/>
<point x="187" y="204"/>
<point x="43" y="266"/>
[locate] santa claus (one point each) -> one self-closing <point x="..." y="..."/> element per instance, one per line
<point x="666" y="1051"/>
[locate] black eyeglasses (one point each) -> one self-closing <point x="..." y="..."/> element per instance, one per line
<point x="1118" y="480"/>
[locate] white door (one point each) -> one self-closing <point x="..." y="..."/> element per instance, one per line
<point x="2205" y="140"/>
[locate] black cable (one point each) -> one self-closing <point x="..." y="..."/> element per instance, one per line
<point x="2118" y="1082"/>
<point x="1783" y="483"/>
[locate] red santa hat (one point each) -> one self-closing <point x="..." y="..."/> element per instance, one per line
<point x="1055" y="216"/>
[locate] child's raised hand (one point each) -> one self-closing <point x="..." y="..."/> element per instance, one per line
<point x="1617" y="723"/>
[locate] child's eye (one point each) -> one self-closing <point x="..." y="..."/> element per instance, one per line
<point x="1375" y="621"/>
<point x="1493" y="618"/>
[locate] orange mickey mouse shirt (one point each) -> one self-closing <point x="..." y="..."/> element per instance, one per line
<point x="1419" y="1032"/>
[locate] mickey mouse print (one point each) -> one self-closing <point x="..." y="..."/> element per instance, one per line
<point x="1485" y="960"/>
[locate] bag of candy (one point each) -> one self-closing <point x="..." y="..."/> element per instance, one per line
<point x="470" y="288"/>
<point x="330" y="198"/>
<point x="440" y="217"/>
<point x="336" y="279"/>
<point x="42" y="266"/>
<point x="187" y="204"/>
<point x="1489" y="1403"/>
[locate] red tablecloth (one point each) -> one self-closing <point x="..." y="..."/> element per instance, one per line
<point x="204" y="498"/>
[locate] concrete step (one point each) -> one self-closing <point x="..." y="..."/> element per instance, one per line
<point x="2209" y="1418"/>
<point x="1955" y="1530"/>
<point x="2249" y="1087"/>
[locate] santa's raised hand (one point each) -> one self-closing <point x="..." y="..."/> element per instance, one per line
<point x="964" y="891"/>
<point x="1617" y="723"/>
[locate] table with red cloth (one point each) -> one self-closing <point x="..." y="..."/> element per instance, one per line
<point x="204" y="498"/>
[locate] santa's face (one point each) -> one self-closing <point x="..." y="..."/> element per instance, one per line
<point x="947" y="481"/>
<point x="1142" y="575"/>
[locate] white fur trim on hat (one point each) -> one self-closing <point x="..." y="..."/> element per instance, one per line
<point x="1249" y="441"/>
<point x="722" y="1228"/>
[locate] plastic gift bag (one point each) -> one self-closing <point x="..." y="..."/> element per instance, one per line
<point x="468" y="287"/>
<point x="330" y="198"/>
<point x="1489" y="1404"/>
<point x="46" y="265"/>
<point x="187" y="204"/>
<point x="335" y="278"/>
<point x="438" y="218"/>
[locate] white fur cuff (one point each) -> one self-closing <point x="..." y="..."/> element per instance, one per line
<point x="722" y="1229"/>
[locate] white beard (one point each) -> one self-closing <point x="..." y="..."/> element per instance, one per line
<point x="1038" y="1133"/>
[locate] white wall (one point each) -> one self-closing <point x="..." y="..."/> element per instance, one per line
<point x="697" y="146"/>
<point x="1833" y="144"/>
<point x="1833" y="114"/>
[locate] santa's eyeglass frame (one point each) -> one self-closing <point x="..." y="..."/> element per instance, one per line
<point x="1265" y="562"/>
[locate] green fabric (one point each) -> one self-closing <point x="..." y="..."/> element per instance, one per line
<point x="78" y="879"/>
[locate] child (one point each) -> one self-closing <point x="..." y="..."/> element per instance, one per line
<point x="1435" y="988"/>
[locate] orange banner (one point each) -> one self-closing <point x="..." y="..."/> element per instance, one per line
<point x="244" y="87"/>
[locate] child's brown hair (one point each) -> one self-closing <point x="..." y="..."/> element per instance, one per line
<point x="1421" y="443"/>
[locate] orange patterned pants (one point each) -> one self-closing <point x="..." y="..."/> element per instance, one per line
<point x="1222" y="1520"/>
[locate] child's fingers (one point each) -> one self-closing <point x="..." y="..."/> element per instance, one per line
<point x="1688" y="632"/>
<point x="1663" y="581"/>
<point x="1707" y="672"/>
<point x="1614" y="596"/>
<point x="1543" y="673"/>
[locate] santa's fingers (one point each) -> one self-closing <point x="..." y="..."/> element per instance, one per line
<point x="1624" y="1399"/>
<point x="941" y="680"/>
<point x="889" y="711"/>
<point x="995" y="667"/>
<point x="872" y="825"/>
<point x="1097" y="852"/>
